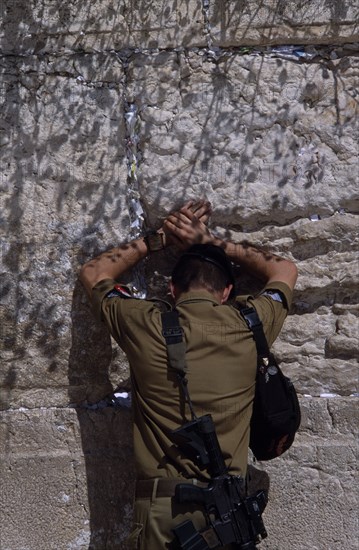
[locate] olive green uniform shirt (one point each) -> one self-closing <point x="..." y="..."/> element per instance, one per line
<point x="221" y="360"/>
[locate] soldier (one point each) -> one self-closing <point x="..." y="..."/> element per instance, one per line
<point x="220" y="355"/>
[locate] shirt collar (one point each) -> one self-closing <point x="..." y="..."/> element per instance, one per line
<point x="196" y="296"/>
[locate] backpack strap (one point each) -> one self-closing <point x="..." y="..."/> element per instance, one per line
<point x="255" y="325"/>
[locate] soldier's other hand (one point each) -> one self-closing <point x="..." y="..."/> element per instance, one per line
<point x="185" y="228"/>
<point x="201" y="208"/>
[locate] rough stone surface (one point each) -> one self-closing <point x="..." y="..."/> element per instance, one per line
<point x="47" y="27"/>
<point x="266" y="139"/>
<point x="110" y="115"/>
<point x="66" y="479"/>
<point x="283" y="22"/>
<point x="64" y="178"/>
<point x="71" y="472"/>
<point x="322" y="486"/>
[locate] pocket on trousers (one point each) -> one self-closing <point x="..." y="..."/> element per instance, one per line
<point x="134" y="539"/>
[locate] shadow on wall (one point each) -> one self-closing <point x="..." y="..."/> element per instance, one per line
<point x="246" y="13"/>
<point x="55" y="26"/>
<point x="216" y="106"/>
<point x="49" y="25"/>
<point x="106" y="433"/>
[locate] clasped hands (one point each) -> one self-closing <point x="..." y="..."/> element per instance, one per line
<point x="187" y="226"/>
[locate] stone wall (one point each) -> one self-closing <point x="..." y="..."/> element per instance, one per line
<point x="113" y="113"/>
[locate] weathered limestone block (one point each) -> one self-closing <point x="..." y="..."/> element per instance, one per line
<point x="66" y="151"/>
<point x="66" y="478"/>
<point x="316" y="501"/>
<point x="314" y="481"/>
<point x="64" y="183"/>
<point x="344" y="343"/>
<point x="265" y="139"/>
<point x="282" y="22"/>
<point x="47" y="27"/>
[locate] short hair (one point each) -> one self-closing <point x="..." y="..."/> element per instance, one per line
<point x="203" y="266"/>
<point x="193" y="272"/>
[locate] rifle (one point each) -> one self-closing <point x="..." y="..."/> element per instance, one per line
<point x="232" y="517"/>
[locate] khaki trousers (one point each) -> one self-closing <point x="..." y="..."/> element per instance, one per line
<point x="154" y="517"/>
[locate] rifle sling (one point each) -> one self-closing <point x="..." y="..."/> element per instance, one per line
<point x="176" y="347"/>
<point x="176" y="351"/>
<point x="173" y="334"/>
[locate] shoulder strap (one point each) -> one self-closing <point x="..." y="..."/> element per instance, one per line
<point x="255" y="325"/>
<point x="173" y="334"/>
<point x="176" y="351"/>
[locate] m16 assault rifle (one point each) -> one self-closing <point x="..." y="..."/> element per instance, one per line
<point x="231" y="516"/>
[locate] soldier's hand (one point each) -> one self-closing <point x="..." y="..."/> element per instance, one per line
<point x="202" y="209"/>
<point x="185" y="228"/>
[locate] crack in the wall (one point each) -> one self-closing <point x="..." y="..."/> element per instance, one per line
<point x="122" y="400"/>
<point x="133" y="155"/>
<point x="207" y="24"/>
<point x="291" y="51"/>
<point x="331" y="416"/>
<point x="77" y="487"/>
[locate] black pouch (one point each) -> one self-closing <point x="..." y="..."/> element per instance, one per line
<point x="276" y="411"/>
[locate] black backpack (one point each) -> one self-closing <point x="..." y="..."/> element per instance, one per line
<point x="276" y="411"/>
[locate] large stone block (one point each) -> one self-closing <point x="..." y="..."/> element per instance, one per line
<point x="313" y="483"/>
<point x="49" y="27"/>
<point x="265" y="139"/>
<point x="64" y="186"/>
<point x="281" y="22"/>
<point x="66" y="479"/>
<point x="65" y="177"/>
<point x="306" y="504"/>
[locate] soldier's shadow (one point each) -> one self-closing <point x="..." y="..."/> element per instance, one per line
<point x="106" y="432"/>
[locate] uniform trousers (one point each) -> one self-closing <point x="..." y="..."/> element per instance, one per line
<point x="155" y="516"/>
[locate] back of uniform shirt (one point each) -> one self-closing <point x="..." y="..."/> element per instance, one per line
<point x="221" y="361"/>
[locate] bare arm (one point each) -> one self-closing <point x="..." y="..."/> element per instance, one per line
<point x="266" y="266"/>
<point x="188" y="230"/>
<point x="113" y="263"/>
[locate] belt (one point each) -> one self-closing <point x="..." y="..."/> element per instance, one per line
<point x="162" y="487"/>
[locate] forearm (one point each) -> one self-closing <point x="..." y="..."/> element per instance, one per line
<point x="113" y="263"/>
<point x="260" y="263"/>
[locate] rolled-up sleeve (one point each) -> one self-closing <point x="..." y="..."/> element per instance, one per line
<point x="271" y="311"/>
<point x="99" y="292"/>
<point x="113" y="304"/>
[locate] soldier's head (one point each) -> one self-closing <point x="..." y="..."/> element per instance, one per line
<point x="203" y="267"/>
